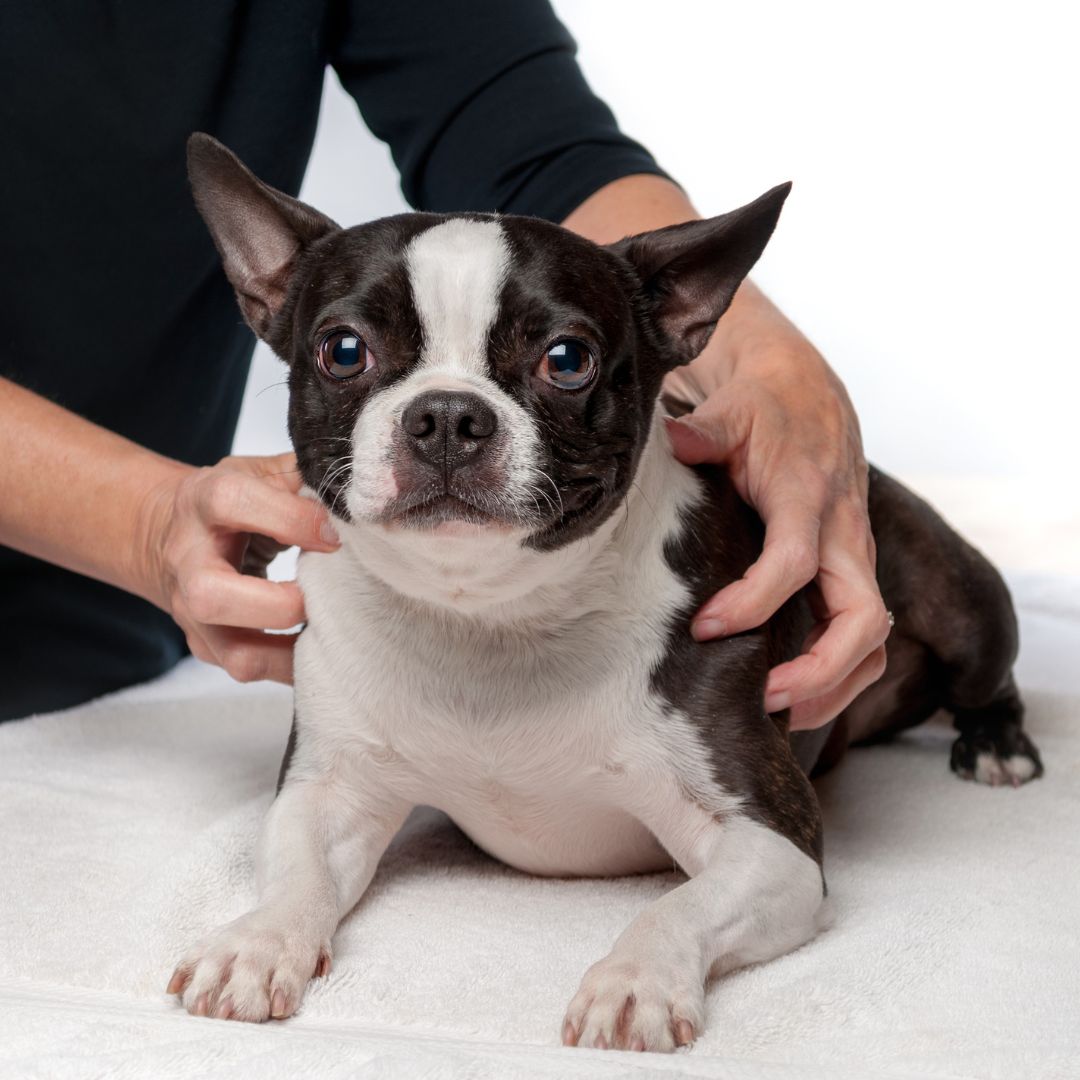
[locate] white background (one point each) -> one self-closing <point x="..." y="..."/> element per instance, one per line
<point x="930" y="245"/>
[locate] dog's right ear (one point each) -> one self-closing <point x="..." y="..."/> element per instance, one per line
<point x="689" y="272"/>
<point x="259" y="231"/>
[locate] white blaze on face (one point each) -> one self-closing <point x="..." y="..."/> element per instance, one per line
<point x="456" y="272"/>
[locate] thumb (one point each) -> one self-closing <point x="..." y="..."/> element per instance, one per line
<point x="279" y="469"/>
<point x="695" y="440"/>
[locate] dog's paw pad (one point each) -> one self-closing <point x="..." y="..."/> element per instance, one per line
<point x="249" y="971"/>
<point x="1008" y="761"/>
<point x="623" y="1005"/>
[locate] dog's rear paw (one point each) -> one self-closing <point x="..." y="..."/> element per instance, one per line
<point x="255" y="968"/>
<point x="627" y="1005"/>
<point x="1005" y="758"/>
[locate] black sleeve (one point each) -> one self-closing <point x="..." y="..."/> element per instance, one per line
<point x="482" y="103"/>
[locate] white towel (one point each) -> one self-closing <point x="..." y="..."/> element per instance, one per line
<point x="128" y="827"/>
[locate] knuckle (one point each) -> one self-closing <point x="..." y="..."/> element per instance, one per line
<point x="818" y="484"/>
<point x="801" y="561"/>
<point x="172" y="551"/>
<point x="225" y="493"/>
<point x="202" y="598"/>
<point x="875" y="619"/>
<point x="244" y="662"/>
<point x="856" y="520"/>
<point x="879" y="661"/>
<point x="198" y="649"/>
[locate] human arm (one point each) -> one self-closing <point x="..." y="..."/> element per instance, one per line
<point x="82" y="497"/>
<point x="482" y="105"/>
<point x="768" y="407"/>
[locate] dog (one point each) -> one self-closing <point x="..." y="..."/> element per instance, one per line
<point x="503" y="633"/>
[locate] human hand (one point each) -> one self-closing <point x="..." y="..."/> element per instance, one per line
<point x="790" y="440"/>
<point x="208" y="536"/>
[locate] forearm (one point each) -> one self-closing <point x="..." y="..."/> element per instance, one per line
<point x="752" y="337"/>
<point x="75" y="494"/>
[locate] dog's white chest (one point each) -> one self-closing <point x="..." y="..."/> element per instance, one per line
<point x="536" y="730"/>
<point x="531" y="752"/>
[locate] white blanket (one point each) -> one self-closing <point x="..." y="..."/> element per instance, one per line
<point x="128" y="828"/>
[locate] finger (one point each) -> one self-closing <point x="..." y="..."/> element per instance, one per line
<point x="198" y="646"/>
<point x="218" y="595"/>
<point x="694" y="443"/>
<point x="819" y="711"/>
<point x="788" y="561"/>
<point x="278" y="469"/>
<point x="249" y="655"/>
<point x="852" y="635"/>
<point x="239" y="501"/>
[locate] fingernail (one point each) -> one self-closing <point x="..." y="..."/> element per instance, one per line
<point x="778" y="702"/>
<point x="329" y="534"/>
<point x="705" y="629"/>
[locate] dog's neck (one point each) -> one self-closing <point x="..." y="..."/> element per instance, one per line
<point x="492" y="576"/>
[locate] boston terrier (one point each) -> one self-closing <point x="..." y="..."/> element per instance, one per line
<point x="504" y="631"/>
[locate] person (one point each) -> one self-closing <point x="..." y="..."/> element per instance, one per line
<point x="131" y="537"/>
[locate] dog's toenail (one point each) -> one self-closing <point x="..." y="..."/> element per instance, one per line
<point x="684" y="1032"/>
<point x="202" y="1005"/>
<point x="637" y="1043"/>
<point x="569" y="1034"/>
<point x="277" y="1005"/>
<point x="600" y="1043"/>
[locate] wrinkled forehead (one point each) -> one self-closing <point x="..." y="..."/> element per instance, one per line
<point x="450" y="286"/>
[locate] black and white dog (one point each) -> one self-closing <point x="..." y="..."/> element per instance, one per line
<point x="503" y="633"/>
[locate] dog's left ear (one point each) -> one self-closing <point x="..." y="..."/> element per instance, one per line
<point x="259" y="231"/>
<point x="690" y="272"/>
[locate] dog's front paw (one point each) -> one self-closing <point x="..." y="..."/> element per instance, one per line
<point x="630" y="1004"/>
<point x="997" y="759"/>
<point x="254" y="968"/>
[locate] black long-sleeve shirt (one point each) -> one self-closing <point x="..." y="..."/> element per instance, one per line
<point x="114" y="302"/>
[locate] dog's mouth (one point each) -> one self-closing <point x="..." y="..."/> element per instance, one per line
<point x="439" y="510"/>
<point x="436" y="508"/>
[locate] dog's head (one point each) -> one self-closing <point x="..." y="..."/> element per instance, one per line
<point x="470" y="372"/>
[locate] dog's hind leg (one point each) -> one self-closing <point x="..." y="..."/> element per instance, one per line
<point x="953" y="646"/>
<point x="992" y="746"/>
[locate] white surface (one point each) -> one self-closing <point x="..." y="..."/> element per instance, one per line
<point x="129" y="826"/>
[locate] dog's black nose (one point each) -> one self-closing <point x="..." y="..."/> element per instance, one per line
<point x="448" y="428"/>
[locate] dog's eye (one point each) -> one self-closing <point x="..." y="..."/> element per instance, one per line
<point x="342" y="355"/>
<point x="568" y="364"/>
